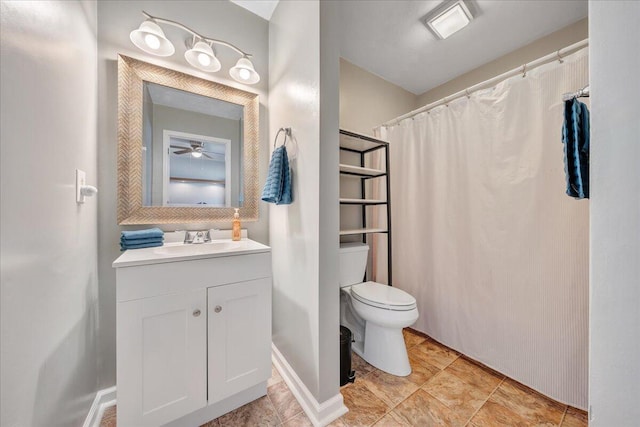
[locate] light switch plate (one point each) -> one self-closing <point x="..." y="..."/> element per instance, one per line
<point x="81" y="180"/>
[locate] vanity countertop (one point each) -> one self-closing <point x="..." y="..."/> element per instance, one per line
<point x="172" y="252"/>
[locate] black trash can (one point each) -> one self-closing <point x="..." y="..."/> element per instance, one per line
<point x="346" y="374"/>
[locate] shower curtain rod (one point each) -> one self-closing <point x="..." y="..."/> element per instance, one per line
<point x="555" y="56"/>
<point x="580" y="93"/>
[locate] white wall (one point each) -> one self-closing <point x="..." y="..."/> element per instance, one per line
<point x="49" y="243"/>
<point x="303" y="94"/>
<point x="116" y="19"/>
<point x="614" y="374"/>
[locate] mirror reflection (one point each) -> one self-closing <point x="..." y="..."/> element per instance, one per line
<point x="192" y="149"/>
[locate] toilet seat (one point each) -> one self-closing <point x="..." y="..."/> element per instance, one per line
<point x="383" y="296"/>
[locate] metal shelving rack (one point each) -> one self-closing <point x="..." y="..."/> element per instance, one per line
<point x="362" y="145"/>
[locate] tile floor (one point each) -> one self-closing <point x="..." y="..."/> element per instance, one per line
<point x="444" y="389"/>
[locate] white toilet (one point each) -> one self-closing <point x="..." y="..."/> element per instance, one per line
<point x="374" y="313"/>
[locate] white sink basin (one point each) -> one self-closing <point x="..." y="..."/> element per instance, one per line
<point x="199" y="248"/>
<point x="179" y="251"/>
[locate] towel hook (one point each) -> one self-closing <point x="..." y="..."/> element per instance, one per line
<point x="287" y="133"/>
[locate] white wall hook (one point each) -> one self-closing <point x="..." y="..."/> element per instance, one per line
<point x="82" y="189"/>
<point x="88" y="190"/>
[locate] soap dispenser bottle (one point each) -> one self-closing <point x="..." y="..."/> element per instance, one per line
<point x="236" y="230"/>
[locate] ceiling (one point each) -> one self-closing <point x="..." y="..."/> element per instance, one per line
<point x="262" y="8"/>
<point x="388" y="38"/>
<point x="175" y="98"/>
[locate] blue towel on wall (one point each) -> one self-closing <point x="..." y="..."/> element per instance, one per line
<point x="142" y="234"/>
<point x="277" y="189"/>
<point x="575" y="137"/>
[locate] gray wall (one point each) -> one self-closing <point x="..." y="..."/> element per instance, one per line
<point x="329" y="288"/>
<point x="367" y="101"/>
<point x="614" y="374"/>
<point x="49" y="243"/>
<point x="116" y="19"/>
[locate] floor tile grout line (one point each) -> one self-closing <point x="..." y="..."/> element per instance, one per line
<point x="391" y="408"/>
<point x="564" y="414"/>
<point x="285" y="420"/>
<point x="414" y="392"/>
<point x="485" y="401"/>
<point x="275" y="409"/>
<point x="451" y="363"/>
<point x="291" y="417"/>
<point x="395" y="406"/>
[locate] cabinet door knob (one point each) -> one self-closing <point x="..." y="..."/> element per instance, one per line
<point x="196" y="312"/>
<point x="218" y="309"/>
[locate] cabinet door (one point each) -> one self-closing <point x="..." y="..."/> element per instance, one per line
<point x="239" y="337"/>
<point x="162" y="357"/>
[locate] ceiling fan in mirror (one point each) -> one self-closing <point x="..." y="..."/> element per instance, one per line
<point x="195" y="148"/>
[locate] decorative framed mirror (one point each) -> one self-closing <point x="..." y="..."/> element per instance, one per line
<point x="187" y="147"/>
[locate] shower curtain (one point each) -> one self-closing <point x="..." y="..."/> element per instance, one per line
<point x="484" y="236"/>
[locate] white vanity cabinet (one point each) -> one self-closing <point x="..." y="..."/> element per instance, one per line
<point x="193" y="332"/>
<point x="238" y="353"/>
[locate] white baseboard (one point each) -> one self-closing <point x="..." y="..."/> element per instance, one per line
<point x="104" y="399"/>
<point x="320" y="414"/>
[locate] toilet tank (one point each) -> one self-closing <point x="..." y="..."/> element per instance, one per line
<point x="353" y="262"/>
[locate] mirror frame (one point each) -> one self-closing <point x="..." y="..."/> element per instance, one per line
<point x="132" y="74"/>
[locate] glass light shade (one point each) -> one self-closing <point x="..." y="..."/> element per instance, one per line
<point x="244" y="72"/>
<point x="196" y="154"/>
<point x="150" y="38"/>
<point x="201" y="56"/>
<point x="152" y="41"/>
<point x="451" y="20"/>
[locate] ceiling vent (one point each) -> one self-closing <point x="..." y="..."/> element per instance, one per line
<point x="448" y="18"/>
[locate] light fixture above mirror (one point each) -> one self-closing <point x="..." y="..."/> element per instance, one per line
<point x="150" y="38"/>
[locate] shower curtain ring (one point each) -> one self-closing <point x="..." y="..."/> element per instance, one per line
<point x="468" y="94"/>
<point x="560" y="60"/>
<point x="524" y="70"/>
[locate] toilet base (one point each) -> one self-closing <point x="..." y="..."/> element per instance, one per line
<point x="385" y="349"/>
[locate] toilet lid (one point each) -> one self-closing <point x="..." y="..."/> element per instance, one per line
<point x="383" y="296"/>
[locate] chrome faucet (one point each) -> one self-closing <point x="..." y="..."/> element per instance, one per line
<point x="196" y="237"/>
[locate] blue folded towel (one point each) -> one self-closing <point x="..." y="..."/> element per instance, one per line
<point x="124" y="247"/>
<point x="575" y="137"/>
<point x="278" y="187"/>
<point x="141" y="234"/>
<point x="139" y="241"/>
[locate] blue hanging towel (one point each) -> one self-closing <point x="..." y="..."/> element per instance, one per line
<point x="575" y="137"/>
<point x="277" y="189"/>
